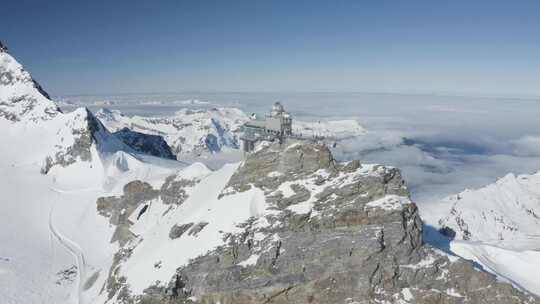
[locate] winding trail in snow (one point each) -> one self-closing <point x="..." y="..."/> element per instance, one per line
<point x="75" y="250"/>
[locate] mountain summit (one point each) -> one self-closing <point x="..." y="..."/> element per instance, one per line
<point x="50" y="137"/>
<point x="21" y="97"/>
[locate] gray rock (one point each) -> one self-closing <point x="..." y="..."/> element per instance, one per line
<point x="118" y="209"/>
<point x="178" y="230"/>
<point x="173" y="191"/>
<point x="145" y="143"/>
<point x="345" y="250"/>
<point x="80" y="150"/>
<point x="197" y="228"/>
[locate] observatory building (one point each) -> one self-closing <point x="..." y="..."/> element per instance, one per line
<point x="275" y="126"/>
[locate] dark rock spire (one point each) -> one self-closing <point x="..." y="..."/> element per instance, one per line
<point x="3" y="48"/>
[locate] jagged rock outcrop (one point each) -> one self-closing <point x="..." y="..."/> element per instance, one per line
<point x="119" y="209"/>
<point x="145" y="143"/>
<point x="125" y="210"/>
<point x="83" y="130"/>
<point x="333" y="233"/>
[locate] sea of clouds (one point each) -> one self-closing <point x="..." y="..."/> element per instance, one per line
<point x="442" y="144"/>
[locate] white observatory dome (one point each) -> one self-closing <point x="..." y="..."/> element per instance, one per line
<point x="277" y="108"/>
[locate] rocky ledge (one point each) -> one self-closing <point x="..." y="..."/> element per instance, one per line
<point x="331" y="233"/>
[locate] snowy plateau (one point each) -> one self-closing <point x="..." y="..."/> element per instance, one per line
<point x="87" y="218"/>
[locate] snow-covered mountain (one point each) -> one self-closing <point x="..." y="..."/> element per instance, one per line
<point x="498" y="226"/>
<point x="43" y="133"/>
<point x="87" y="219"/>
<point x="53" y="166"/>
<point x="188" y="131"/>
<point x="507" y="211"/>
<point x="194" y="132"/>
<point x="21" y="97"/>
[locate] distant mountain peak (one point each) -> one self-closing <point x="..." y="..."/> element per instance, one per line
<point x="65" y="138"/>
<point x="21" y="97"/>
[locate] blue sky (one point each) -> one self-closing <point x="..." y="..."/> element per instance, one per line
<point x="91" y="47"/>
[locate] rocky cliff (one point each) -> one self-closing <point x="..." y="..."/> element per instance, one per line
<point x="329" y="233"/>
<point x="145" y="143"/>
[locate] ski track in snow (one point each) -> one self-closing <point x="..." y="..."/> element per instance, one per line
<point x="60" y="191"/>
<point x="75" y="250"/>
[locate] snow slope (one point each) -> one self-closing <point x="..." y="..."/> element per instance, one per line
<point x="505" y="213"/>
<point x="498" y="226"/>
<point x="519" y="267"/>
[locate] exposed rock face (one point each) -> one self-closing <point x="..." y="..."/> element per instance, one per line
<point x="83" y="127"/>
<point x="145" y="143"/>
<point x="337" y="233"/>
<point x="178" y="230"/>
<point x="173" y="190"/>
<point x="121" y="211"/>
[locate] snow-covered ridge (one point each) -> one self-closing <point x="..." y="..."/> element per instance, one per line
<point x="46" y="136"/>
<point x="36" y="131"/>
<point x="497" y="226"/>
<point x="212" y="130"/>
<point x="505" y="211"/>
<point x="21" y="97"/>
